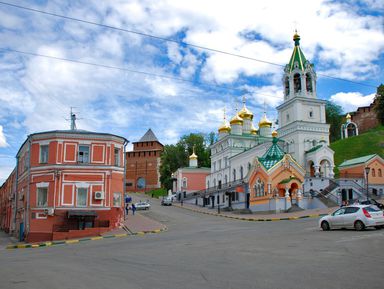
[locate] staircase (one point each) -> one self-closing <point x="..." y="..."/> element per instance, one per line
<point x="294" y="208"/>
<point x="327" y="196"/>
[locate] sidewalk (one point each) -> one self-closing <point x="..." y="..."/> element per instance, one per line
<point x="6" y="239"/>
<point x="314" y="213"/>
<point x="138" y="223"/>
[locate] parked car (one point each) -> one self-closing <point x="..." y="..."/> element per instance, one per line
<point x="142" y="206"/>
<point x="166" y="201"/>
<point x="373" y="202"/>
<point x="358" y="217"/>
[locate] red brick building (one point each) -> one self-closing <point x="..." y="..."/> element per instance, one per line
<point x="143" y="164"/>
<point x="66" y="184"/>
<point x="365" y="117"/>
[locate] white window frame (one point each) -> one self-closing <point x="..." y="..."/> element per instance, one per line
<point x="185" y="182"/>
<point x="46" y="154"/>
<point x="41" y="187"/>
<point x="78" y="154"/>
<point x="77" y="196"/>
<point x="117" y="199"/>
<point x="117" y="156"/>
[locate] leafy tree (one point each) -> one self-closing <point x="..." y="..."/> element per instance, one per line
<point x="379" y="103"/>
<point x="333" y="113"/>
<point x="177" y="156"/>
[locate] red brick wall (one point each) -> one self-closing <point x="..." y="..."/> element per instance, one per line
<point x="143" y="162"/>
<point x="365" y="118"/>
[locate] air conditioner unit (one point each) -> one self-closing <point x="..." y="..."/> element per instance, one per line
<point x="49" y="212"/>
<point x="99" y="195"/>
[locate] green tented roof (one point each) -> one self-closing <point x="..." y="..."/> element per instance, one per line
<point x="298" y="56"/>
<point x="272" y="156"/>
<point x="313" y="149"/>
<point x="357" y="161"/>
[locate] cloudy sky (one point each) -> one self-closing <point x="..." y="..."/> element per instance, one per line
<point x="138" y="82"/>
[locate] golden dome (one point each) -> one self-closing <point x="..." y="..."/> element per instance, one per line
<point x="264" y="122"/>
<point x="236" y="119"/>
<point x="225" y="127"/>
<point x="274" y="133"/>
<point x="348" y="116"/>
<point x="245" y="113"/>
<point x="193" y="156"/>
<point x="253" y="129"/>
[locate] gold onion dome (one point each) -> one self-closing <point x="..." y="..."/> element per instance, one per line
<point x="193" y="156"/>
<point x="245" y="113"/>
<point x="264" y="122"/>
<point x="274" y="133"/>
<point x="253" y="129"/>
<point x="225" y="127"/>
<point x="348" y="116"/>
<point x="236" y="119"/>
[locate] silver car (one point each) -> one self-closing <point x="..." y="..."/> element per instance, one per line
<point x="358" y="217"/>
<point x="142" y="206"/>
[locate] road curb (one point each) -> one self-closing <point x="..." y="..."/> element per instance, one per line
<point x="253" y="219"/>
<point x="77" y="241"/>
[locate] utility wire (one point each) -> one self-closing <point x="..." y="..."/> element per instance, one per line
<point x="171" y="40"/>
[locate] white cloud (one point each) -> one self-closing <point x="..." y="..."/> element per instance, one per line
<point x="3" y="140"/>
<point x="350" y="101"/>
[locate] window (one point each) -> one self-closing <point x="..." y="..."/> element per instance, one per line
<point x="308" y="82"/>
<point x="219" y="164"/>
<point x="310" y="113"/>
<point x="241" y="173"/>
<point x="287" y="117"/>
<point x="373" y="173"/>
<point x="379" y="173"/>
<point x="234" y="175"/>
<point x="297" y="83"/>
<point x="226" y="179"/>
<point x="42" y="197"/>
<point x="44" y="154"/>
<point x="82" y="194"/>
<point x="223" y="198"/>
<point x="116" y="199"/>
<point x="351" y="210"/>
<point x="286" y="91"/>
<point x="185" y="182"/>
<point x="214" y="166"/>
<point x="117" y="157"/>
<point x="83" y="156"/>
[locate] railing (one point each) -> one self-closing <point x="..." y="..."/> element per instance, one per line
<point x="217" y="189"/>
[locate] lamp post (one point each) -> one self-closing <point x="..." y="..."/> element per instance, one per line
<point x="367" y="169"/>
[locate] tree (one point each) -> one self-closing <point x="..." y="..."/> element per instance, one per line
<point x="379" y="104"/>
<point x="177" y="156"/>
<point x="334" y="116"/>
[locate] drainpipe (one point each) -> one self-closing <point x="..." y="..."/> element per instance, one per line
<point x="16" y="187"/>
<point x="28" y="189"/>
<point x="125" y="172"/>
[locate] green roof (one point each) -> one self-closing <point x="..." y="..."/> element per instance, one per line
<point x="272" y="156"/>
<point x="356" y="161"/>
<point x="313" y="149"/>
<point x="297" y="55"/>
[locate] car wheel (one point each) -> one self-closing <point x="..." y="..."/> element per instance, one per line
<point x="359" y="226"/>
<point x="325" y="226"/>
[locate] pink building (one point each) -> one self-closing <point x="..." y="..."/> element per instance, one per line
<point x="66" y="184"/>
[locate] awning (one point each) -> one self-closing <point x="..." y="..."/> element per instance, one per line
<point x="77" y="213"/>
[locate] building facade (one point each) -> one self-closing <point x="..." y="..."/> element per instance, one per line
<point x="143" y="164"/>
<point x="303" y="135"/>
<point x="66" y="184"/>
<point x="365" y="117"/>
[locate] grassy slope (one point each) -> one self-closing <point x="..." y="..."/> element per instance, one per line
<point x="371" y="142"/>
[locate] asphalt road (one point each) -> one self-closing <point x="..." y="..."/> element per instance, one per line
<point x="202" y="251"/>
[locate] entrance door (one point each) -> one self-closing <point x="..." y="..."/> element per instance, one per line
<point x="21" y="232"/>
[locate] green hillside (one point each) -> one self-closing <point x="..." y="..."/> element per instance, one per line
<point x="371" y="142"/>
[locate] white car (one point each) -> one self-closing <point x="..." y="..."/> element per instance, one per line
<point x="142" y="206"/>
<point x="358" y="217"/>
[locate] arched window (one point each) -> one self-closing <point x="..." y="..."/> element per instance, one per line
<point x="286" y="85"/>
<point x="311" y="113"/>
<point x="373" y="173"/>
<point x="379" y="173"/>
<point x="234" y="174"/>
<point x="241" y="173"/>
<point x="297" y="83"/>
<point x="308" y="81"/>
<point x="185" y="182"/>
<point x="140" y="183"/>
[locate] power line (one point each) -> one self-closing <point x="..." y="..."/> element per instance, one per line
<point x="172" y="41"/>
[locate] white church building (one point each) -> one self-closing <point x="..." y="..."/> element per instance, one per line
<point x="242" y="151"/>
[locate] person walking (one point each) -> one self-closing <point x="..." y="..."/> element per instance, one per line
<point x="126" y="209"/>
<point x="133" y="209"/>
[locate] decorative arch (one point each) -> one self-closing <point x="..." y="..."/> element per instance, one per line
<point x="286" y="86"/>
<point x="308" y="82"/>
<point x="297" y="83"/>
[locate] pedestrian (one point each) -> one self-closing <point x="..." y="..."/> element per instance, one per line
<point x="126" y="208"/>
<point x="181" y="202"/>
<point x="133" y="209"/>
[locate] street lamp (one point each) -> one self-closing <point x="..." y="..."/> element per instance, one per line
<point x="367" y="169"/>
